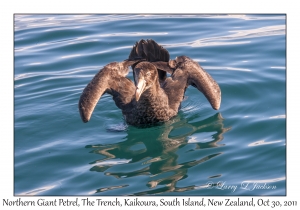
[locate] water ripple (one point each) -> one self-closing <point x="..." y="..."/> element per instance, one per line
<point x="33" y="21"/>
<point x="57" y="55"/>
<point x="266" y="180"/>
<point x="72" y="72"/>
<point x="38" y="190"/>
<point x="263" y="142"/>
<point x="237" y="34"/>
<point x="226" y="68"/>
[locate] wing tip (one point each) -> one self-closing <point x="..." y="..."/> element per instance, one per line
<point x="83" y="117"/>
<point x="215" y="100"/>
<point x="216" y="106"/>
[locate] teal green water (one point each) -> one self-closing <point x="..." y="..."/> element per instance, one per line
<point x="237" y="150"/>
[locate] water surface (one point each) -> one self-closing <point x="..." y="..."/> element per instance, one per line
<point x="201" y="151"/>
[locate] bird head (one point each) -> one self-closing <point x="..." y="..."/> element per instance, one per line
<point x="145" y="76"/>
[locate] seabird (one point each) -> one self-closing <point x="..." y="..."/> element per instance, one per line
<point x="152" y="97"/>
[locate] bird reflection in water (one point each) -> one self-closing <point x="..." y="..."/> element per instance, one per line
<point x="158" y="152"/>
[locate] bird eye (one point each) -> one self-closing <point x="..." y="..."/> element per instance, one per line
<point x="148" y="74"/>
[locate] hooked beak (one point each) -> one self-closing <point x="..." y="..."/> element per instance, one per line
<point x="140" y="87"/>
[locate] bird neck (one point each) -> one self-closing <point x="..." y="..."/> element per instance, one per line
<point x="153" y="91"/>
<point x="154" y="96"/>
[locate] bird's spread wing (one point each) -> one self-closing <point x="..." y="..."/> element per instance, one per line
<point x="111" y="79"/>
<point x="150" y="51"/>
<point x="187" y="72"/>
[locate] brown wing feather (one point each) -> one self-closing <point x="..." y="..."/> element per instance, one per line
<point x="111" y="79"/>
<point x="188" y="72"/>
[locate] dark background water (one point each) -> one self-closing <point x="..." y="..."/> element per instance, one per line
<point x="199" y="152"/>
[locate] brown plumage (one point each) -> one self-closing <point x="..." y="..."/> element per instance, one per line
<point x="154" y="97"/>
